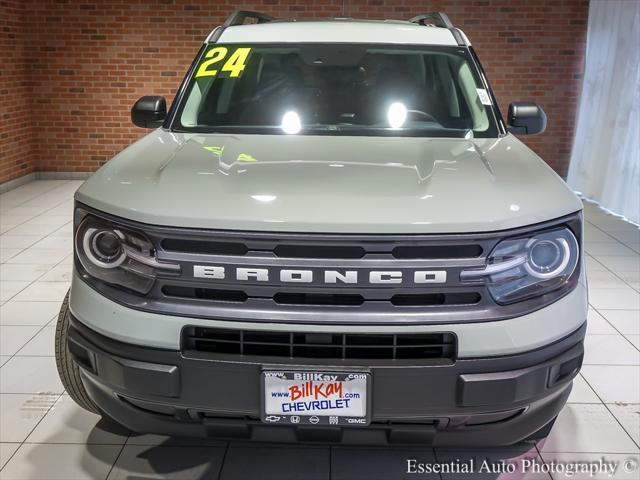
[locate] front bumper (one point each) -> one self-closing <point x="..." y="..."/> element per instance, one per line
<point x="473" y="401"/>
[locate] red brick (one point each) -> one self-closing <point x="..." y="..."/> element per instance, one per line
<point x="71" y="70"/>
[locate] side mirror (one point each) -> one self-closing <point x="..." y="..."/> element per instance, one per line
<point x="526" y="118"/>
<point x="149" y="111"/>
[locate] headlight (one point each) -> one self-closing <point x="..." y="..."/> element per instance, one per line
<point x="522" y="268"/>
<point x="118" y="256"/>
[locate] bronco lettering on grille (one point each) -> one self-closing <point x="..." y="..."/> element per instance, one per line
<point x="285" y="275"/>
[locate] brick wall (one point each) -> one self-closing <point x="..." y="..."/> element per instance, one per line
<point x="88" y="61"/>
<point x="17" y="156"/>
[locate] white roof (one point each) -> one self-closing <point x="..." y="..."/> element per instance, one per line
<point x="338" y="31"/>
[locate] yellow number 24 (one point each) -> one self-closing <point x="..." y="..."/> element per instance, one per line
<point x="233" y="67"/>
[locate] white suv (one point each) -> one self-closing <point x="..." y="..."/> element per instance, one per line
<point x="331" y="236"/>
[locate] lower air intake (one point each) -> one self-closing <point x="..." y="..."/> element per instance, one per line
<point x="320" y="345"/>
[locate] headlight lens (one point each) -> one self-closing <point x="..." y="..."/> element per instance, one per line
<point x="104" y="247"/>
<point x="522" y="268"/>
<point x="118" y="256"/>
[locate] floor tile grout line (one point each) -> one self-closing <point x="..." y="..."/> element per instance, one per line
<point x="53" y="265"/>
<point x="60" y="184"/>
<point x="614" y="327"/>
<point x="434" y="452"/>
<point x="23" y="325"/>
<point x="55" y="183"/>
<point x="9" y="258"/>
<point x="617" y="243"/>
<point x="8" y="233"/>
<point x="31" y="431"/>
<point x="610" y="412"/>
<point x="36" y="216"/>
<point x="607" y="320"/>
<point x="611" y="236"/>
<point x="33" y="281"/>
<point x="614" y="239"/>
<point x="224" y="459"/>
<point x="542" y="458"/>
<point x="21" y="250"/>
<point x="53" y="187"/>
<point x="31" y="393"/>
<point x="618" y="274"/>
<point x="590" y="388"/>
<point x="117" y="456"/>
<point x="34" y="356"/>
<point x="25" y="344"/>
<point x="3" y="302"/>
<point x="77" y="443"/>
<point x="630" y="246"/>
<point x="589" y="218"/>
<point x="614" y="273"/>
<point x="11" y="456"/>
<point x="33" y="244"/>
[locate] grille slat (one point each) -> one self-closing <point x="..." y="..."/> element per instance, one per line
<point x="337" y="346"/>
<point x="318" y="251"/>
<point x="237" y="296"/>
<point x="325" y="299"/>
<point x="437" y="251"/>
<point x="204" y="246"/>
<point x="325" y="251"/>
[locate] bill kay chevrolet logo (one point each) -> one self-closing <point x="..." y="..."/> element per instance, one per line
<point x="287" y="275"/>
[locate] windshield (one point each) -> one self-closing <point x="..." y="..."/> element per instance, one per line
<point x="334" y="89"/>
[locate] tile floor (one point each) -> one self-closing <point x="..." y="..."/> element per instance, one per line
<point x="44" y="435"/>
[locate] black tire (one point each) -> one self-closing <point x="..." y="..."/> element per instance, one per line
<point x="67" y="369"/>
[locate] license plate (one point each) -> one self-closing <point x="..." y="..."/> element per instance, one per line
<point x="315" y="398"/>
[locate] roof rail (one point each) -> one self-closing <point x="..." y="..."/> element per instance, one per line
<point x="239" y="16"/>
<point x="440" y="19"/>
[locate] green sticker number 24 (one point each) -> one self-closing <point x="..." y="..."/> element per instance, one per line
<point x="233" y="66"/>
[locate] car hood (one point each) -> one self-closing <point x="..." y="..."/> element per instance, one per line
<point x="329" y="184"/>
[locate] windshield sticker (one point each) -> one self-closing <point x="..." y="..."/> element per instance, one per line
<point x="245" y="157"/>
<point x="235" y="61"/>
<point x="215" y="150"/>
<point x="485" y="99"/>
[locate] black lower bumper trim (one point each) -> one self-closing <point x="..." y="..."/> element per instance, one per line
<point x="493" y="401"/>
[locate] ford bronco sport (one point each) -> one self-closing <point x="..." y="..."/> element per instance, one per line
<point x="331" y="236"/>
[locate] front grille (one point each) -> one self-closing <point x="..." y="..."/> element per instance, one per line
<point x="337" y="346"/>
<point x="341" y="299"/>
<point x="318" y="278"/>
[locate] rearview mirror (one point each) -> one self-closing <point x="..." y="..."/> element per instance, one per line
<point x="149" y="111"/>
<point x="526" y="118"/>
